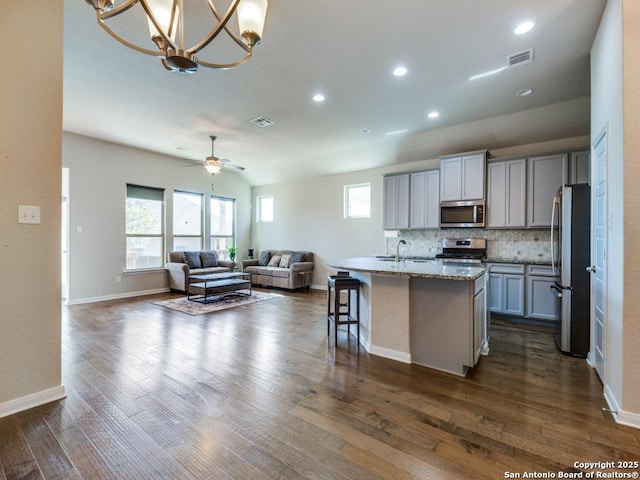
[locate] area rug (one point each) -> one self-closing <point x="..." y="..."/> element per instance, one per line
<point x="221" y="303"/>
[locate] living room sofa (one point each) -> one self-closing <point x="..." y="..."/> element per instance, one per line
<point x="281" y="268"/>
<point x="182" y="264"/>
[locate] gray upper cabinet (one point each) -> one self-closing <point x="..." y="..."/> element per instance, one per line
<point x="506" y="194"/>
<point x="396" y="201"/>
<point x="580" y="167"/>
<point x="425" y="199"/>
<point x="544" y="176"/>
<point x="462" y="177"/>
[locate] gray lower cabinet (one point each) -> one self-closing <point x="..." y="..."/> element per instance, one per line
<point x="506" y="289"/>
<point x="542" y="303"/>
<point x="480" y="318"/>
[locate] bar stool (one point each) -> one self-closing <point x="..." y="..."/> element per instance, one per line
<point x="343" y="282"/>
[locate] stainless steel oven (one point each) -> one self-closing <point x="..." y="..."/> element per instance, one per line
<point x="467" y="213"/>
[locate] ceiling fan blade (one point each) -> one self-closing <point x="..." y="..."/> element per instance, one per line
<point x="227" y="163"/>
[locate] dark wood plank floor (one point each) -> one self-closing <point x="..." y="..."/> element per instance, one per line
<point x="259" y="392"/>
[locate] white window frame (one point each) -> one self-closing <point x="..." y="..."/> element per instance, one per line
<point x="347" y="198"/>
<point x="200" y="235"/>
<point x="213" y="236"/>
<point x="260" y="213"/>
<point x="151" y="192"/>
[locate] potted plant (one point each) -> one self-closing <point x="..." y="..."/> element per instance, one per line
<point x="233" y="250"/>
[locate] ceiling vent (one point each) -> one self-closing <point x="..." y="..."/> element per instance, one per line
<point x="520" y="58"/>
<point x="262" y="121"/>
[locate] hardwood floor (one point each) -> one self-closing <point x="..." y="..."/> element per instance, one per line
<point x="260" y="392"/>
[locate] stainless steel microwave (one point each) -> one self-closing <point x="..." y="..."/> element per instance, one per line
<point x="466" y="213"/>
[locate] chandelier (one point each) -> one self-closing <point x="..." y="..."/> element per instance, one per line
<point x="166" y="23"/>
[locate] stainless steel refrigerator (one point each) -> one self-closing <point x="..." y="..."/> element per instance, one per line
<point x="570" y="257"/>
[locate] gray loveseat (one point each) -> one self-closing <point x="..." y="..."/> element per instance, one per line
<point x="182" y="264"/>
<point x="281" y="268"/>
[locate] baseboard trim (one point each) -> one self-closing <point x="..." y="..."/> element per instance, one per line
<point x="622" y="417"/>
<point x="390" y="354"/>
<point x="31" y="401"/>
<point x="117" y="296"/>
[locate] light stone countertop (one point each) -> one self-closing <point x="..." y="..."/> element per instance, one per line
<point x="410" y="268"/>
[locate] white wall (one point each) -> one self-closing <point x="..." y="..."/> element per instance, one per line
<point x="99" y="173"/>
<point x="309" y="212"/>
<point x="631" y="96"/>
<point x="30" y="153"/>
<point x="615" y="102"/>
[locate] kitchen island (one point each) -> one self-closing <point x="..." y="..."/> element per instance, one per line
<point x="427" y="312"/>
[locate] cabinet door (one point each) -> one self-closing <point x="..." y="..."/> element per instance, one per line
<point x="479" y="323"/>
<point x="541" y="302"/>
<point x="516" y="188"/>
<point x="544" y="176"/>
<point x="432" y="209"/>
<point x="496" y="194"/>
<point x="513" y="295"/>
<point x="472" y="181"/>
<point x="418" y="200"/>
<point x="580" y="167"/>
<point x="450" y="179"/>
<point x="396" y="201"/>
<point x="496" y="292"/>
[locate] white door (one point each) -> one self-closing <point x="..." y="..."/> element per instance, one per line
<point x="598" y="251"/>
<point x="65" y="234"/>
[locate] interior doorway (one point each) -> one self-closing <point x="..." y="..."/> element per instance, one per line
<point x="64" y="231"/>
<point x="598" y="252"/>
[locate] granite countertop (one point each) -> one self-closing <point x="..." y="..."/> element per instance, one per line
<point x="518" y="261"/>
<point x="410" y="268"/>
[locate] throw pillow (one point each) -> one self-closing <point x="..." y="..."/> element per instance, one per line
<point x="209" y="259"/>
<point x="265" y="256"/>
<point x="274" y="262"/>
<point x="284" y="261"/>
<point x="296" y="257"/>
<point x="192" y="259"/>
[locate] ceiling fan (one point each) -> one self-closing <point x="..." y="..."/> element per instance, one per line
<point x="213" y="164"/>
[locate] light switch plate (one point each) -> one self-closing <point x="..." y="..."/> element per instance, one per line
<point x="28" y="214"/>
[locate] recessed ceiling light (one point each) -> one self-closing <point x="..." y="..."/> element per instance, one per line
<point x="400" y="71"/>
<point x="523" y="27"/>
<point x="433" y="114"/>
<point x="487" y="74"/>
<point x="524" y="92"/>
<point x="365" y="130"/>
<point x="318" y="97"/>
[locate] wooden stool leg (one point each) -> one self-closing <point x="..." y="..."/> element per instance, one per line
<point x="328" y="308"/>
<point x="336" y="315"/>
<point x="358" y="312"/>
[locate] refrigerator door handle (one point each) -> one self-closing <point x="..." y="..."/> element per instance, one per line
<point x="556" y="202"/>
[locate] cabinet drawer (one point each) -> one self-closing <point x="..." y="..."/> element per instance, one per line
<point x="540" y="270"/>
<point x="513" y="268"/>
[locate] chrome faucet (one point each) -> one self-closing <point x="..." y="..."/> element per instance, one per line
<point x="400" y="242"/>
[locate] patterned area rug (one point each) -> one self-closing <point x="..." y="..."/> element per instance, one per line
<point x="222" y="302"/>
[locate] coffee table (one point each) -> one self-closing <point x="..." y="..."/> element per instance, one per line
<point x="207" y="288"/>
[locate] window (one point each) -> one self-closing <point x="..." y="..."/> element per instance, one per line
<point x="187" y="221"/>
<point x="223" y="214"/>
<point x="265" y="208"/>
<point x="144" y="227"/>
<point x="357" y="200"/>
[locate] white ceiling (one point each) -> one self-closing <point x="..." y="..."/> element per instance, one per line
<point x="346" y="50"/>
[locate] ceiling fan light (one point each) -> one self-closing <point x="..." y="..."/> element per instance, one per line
<point x="213" y="165"/>
<point x="251" y="17"/>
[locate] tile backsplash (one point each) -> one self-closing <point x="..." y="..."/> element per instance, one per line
<point x="507" y="245"/>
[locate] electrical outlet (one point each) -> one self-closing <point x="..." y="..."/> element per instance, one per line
<point x="118" y="278"/>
